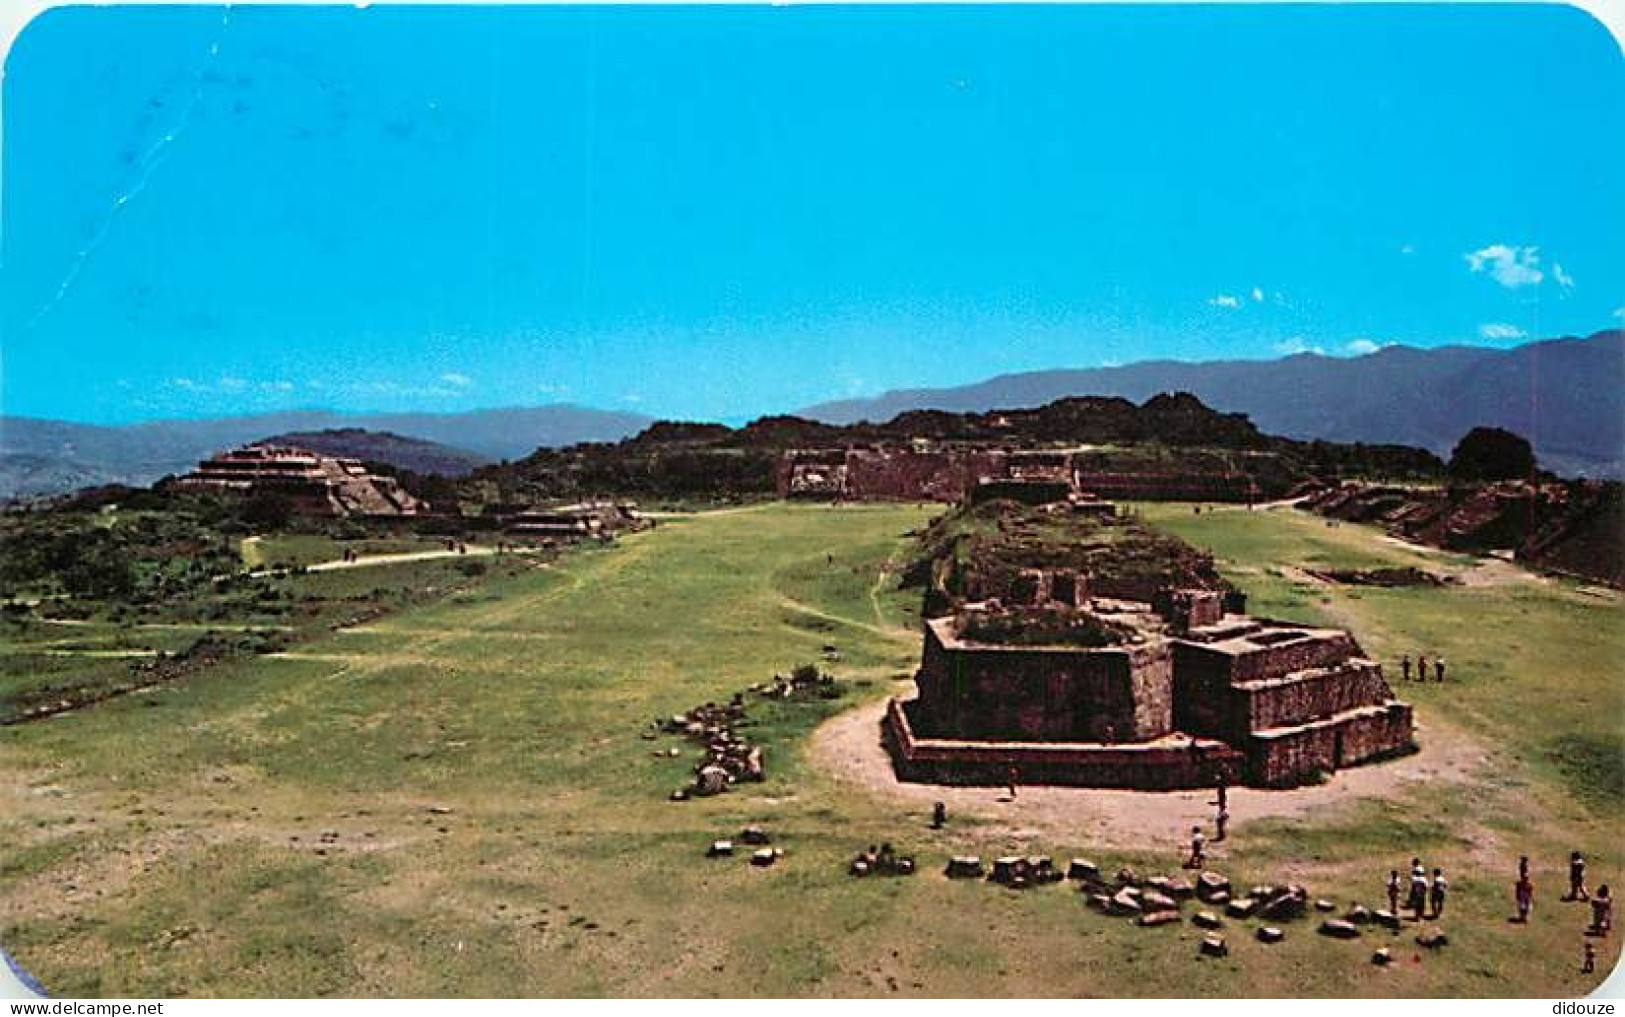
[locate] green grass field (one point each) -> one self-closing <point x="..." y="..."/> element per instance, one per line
<point x="173" y="843"/>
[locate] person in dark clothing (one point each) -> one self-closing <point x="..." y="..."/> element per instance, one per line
<point x="1577" y="878"/>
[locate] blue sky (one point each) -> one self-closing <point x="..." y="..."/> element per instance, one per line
<point x="723" y="212"/>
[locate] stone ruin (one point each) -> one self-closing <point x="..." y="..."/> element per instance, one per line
<point x="1179" y="692"/>
<point x="589" y="520"/>
<point x="314" y="484"/>
<point x="729" y="758"/>
<point x="926" y="471"/>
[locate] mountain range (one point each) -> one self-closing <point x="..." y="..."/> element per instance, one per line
<point x="1566" y="395"/>
<point x="49" y="456"/>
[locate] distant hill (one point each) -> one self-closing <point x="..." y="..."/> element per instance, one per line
<point x="1566" y="395"/>
<point x="680" y="461"/>
<point x="396" y="450"/>
<point x="51" y="456"/>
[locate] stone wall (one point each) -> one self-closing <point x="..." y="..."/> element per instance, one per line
<point x="1284" y="757"/>
<point x="1156" y="766"/>
<point x="1266" y="654"/>
<point x="974" y="691"/>
<point x="1225" y="487"/>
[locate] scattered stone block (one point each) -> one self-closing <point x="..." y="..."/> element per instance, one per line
<point x="1359" y="915"/>
<point x="1127" y="877"/>
<point x="965" y="867"/>
<point x="1179" y="888"/>
<point x="1219" y="900"/>
<point x="680" y="795"/>
<point x="1004" y="869"/>
<point x="859" y="867"/>
<point x="1210" y="883"/>
<point x="1214" y="946"/>
<point x="1207" y="920"/>
<point x="763" y="857"/>
<point x="1242" y="908"/>
<point x="1284" y="907"/>
<point x="755" y="836"/>
<point x="1101" y="902"/>
<point x="1322" y="904"/>
<point x="1270" y="934"/>
<point x="1432" y="937"/>
<point x="1385" y="918"/>
<point x="1082" y="868"/>
<point x="1339" y="929"/>
<point x="1154" y="918"/>
<point x="1151" y="900"/>
<point x="720" y="849"/>
<point x="1382" y="957"/>
<point x="1124" y="903"/>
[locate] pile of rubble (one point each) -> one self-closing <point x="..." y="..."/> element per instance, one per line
<point x="729" y="758"/>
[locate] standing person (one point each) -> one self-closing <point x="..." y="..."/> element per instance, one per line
<point x="1405" y="666"/>
<point x="939" y="816"/>
<point x="1438" y="669"/>
<point x="1523" y="891"/>
<point x="1011" y="777"/>
<point x="1393" y="892"/>
<point x="1436" y="892"/>
<point x="1590" y="963"/>
<point x="1418" y="898"/>
<point x="1220" y="820"/>
<point x="1198" y="858"/>
<point x="1602" y="911"/>
<point x="1577" y="878"/>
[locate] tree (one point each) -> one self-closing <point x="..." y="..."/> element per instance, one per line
<point x="1491" y="453"/>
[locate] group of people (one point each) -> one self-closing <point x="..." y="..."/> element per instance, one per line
<point x="1426" y="896"/>
<point x="1221" y="818"/>
<point x="1602" y="903"/>
<point x="1422" y="667"/>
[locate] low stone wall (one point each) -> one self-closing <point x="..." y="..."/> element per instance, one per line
<point x="1151" y="767"/>
<point x="1284" y="757"/>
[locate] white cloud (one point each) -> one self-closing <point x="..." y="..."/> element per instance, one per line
<point x="1500" y="330"/>
<point x="1226" y="300"/>
<point x="1408" y="249"/>
<point x="277" y="386"/>
<point x="186" y="384"/>
<point x="1565" y="282"/>
<point x="1295" y="345"/>
<point x="1258" y="295"/>
<point x="1619" y="312"/>
<point x="459" y="380"/>
<point x="230" y="384"/>
<point x="1512" y="267"/>
<point x="1361" y="347"/>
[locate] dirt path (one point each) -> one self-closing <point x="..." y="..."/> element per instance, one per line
<point x="366" y="561"/>
<point x="848" y="748"/>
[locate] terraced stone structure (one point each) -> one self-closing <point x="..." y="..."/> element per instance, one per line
<point x="1131" y="695"/>
<point x="589" y="520"/>
<point x="954" y="472"/>
<point x="314" y="484"/>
